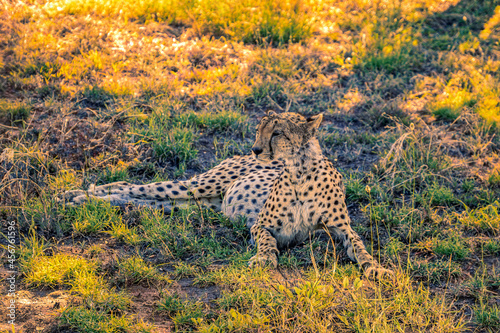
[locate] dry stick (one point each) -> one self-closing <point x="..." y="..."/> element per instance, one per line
<point x="334" y="249"/>
<point x="9" y="127"/>
<point x="312" y="257"/>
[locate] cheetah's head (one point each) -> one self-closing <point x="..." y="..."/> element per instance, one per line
<point x="281" y="136"/>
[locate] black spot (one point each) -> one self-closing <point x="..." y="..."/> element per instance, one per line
<point x="169" y="186"/>
<point x="160" y="189"/>
<point x="141" y="189"/>
<point x="182" y="188"/>
<point x="175" y="192"/>
<point x="247" y="187"/>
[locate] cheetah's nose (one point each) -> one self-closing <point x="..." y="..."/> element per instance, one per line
<point x="257" y="150"/>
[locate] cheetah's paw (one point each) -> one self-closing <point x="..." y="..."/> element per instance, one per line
<point x="264" y="259"/>
<point x="377" y="272"/>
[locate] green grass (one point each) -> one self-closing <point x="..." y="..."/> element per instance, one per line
<point x="184" y="313"/>
<point x="14" y="113"/>
<point x="87" y="320"/>
<point x="134" y="270"/>
<point x="485" y="219"/>
<point x="258" y="22"/>
<point x="93" y="92"/>
<point x="93" y="217"/>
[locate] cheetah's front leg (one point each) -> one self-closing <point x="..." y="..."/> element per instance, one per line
<point x="356" y="249"/>
<point x="267" y="249"/>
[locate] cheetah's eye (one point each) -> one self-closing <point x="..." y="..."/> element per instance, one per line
<point x="276" y="133"/>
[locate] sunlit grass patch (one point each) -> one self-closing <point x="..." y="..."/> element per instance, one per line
<point x="92" y="217"/>
<point x="121" y="231"/>
<point x="449" y="106"/>
<point x="55" y="270"/>
<point x="389" y="50"/>
<point x="485" y="219"/>
<point x="183" y="270"/>
<point x="91" y="320"/>
<point x="184" y="313"/>
<point x="474" y="91"/>
<point x="236" y="273"/>
<point x="260" y="22"/>
<point x="14" y="113"/>
<point x="333" y="302"/>
<point x="135" y="270"/>
<point x="41" y="270"/>
<point x="110" y="171"/>
<point x="65" y="180"/>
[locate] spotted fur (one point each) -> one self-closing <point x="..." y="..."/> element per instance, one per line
<point x="287" y="190"/>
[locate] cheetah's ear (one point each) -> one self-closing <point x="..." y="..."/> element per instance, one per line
<point x="271" y="113"/>
<point x="313" y="122"/>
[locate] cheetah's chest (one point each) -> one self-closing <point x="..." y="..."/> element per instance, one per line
<point x="297" y="211"/>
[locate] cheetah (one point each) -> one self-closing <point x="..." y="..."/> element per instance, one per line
<point x="286" y="189"/>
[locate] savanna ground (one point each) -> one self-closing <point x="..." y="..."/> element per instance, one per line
<point x="98" y="91"/>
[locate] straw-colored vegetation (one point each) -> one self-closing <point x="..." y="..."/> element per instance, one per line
<point x="98" y="91"/>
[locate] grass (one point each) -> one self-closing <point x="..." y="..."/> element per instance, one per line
<point x="134" y="270"/>
<point x="13" y="113"/>
<point x="93" y="92"/>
